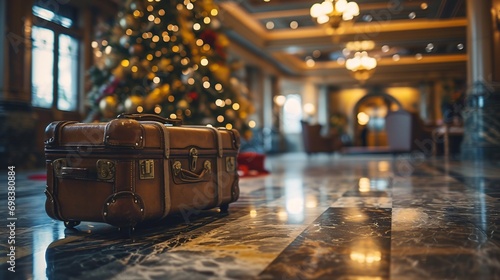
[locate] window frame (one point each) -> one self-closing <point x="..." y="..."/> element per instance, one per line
<point x="58" y="30"/>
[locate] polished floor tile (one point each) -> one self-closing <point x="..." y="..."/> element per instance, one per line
<point x="319" y="217"/>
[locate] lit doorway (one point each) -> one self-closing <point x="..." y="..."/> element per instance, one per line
<point x="369" y="119"/>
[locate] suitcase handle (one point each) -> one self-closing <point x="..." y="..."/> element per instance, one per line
<point x="150" y="117"/>
<point x="188" y="176"/>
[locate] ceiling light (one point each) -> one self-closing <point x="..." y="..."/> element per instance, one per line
<point x="333" y="12"/>
<point x="361" y="65"/>
<point x="269" y="25"/>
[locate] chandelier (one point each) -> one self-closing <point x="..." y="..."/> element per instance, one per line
<point x="361" y="65"/>
<point x="332" y="12"/>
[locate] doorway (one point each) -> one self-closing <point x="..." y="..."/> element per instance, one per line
<point x="369" y="118"/>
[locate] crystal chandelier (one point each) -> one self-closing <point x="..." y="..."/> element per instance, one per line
<point x="333" y="12"/>
<point x="361" y="65"/>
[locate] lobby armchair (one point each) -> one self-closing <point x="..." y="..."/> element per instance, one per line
<point x="315" y="142"/>
<point x="404" y="131"/>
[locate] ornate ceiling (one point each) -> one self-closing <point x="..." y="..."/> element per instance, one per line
<point x="413" y="41"/>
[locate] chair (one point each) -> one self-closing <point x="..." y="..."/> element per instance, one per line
<point x="405" y="131"/>
<point x="315" y="142"/>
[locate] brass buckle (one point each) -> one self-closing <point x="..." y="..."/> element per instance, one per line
<point x="193" y="156"/>
<point x="147" y="169"/>
<point x="230" y="164"/>
<point x="58" y="165"/>
<point x="106" y="170"/>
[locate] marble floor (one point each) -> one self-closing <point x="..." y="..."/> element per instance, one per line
<point x="319" y="217"/>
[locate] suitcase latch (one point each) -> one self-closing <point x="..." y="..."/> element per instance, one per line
<point x="58" y="165"/>
<point x="147" y="169"/>
<point x="230" y="164"/>
<point x="105" y="170"/>
<point x="193" y="158"/>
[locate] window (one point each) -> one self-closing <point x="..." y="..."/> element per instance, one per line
<point x="54" y="60"/>
<point x="292" y="114"/>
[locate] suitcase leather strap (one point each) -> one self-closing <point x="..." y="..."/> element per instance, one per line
<point x="220" y="153"/>
<point x="166" y="171"/>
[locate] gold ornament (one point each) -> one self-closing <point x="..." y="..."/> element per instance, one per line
<point x="108" y="106"/>
<point x="183" y="104"/>
<point x="220" y="71"/>
<point x="132" y="102"/>
<point x="156" y="96"/>
<point x="118" y="72"/>
<point x="164" y="63"/>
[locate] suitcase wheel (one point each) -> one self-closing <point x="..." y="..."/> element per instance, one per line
<point x="224" y="208"/>
<point x="71" y="224"/>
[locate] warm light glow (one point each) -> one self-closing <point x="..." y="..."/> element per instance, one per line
<point x="310" y="62"/>
<point x="236" y="106"/>
<point x="157" y="109"/>
<point x="229" y="126"/>
<point x="204" y="62"/>
<point x="361" y="65"/>
<point x="173" y="116"/>
<point x="218" y="87"/>
<point x="156" y="80"/>
<point x="384" y="166"/>
<point x="361" y="61"/>
<point x="334" y="11"/>
<point x="219" y="103"/>
<point x="252" y="124"/>
<point x="140" y="109"/>
<point x="365" y="45"/>
<point x="309" y="108"/>
<point x="125" y="63"/>
<point x="282" y="215"/>
<point x="214" y="12"/>
<point x="363" y="118"/>
<point x="196" y="26"/>
<point x="364" y="184"/>
<point x="206" y="84"/>
<point x="253" y="213"/>
<point x="279" y="100"/>
<point x="220" y="118"/>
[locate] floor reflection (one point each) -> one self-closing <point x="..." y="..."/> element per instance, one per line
<point x="325" y="217"/>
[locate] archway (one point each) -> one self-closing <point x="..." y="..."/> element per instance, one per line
<point x="369" y="118"/>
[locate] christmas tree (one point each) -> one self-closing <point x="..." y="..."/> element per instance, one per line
<point x="167" y="58"/>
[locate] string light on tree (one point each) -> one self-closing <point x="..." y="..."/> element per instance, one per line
<point x="167" y="61"/>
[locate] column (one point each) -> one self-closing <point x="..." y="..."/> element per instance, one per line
<point x="17" y="120"/>
<point x="482" y="109"/>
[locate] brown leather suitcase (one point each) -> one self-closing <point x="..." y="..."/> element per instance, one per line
<point x="137" y="168"/>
